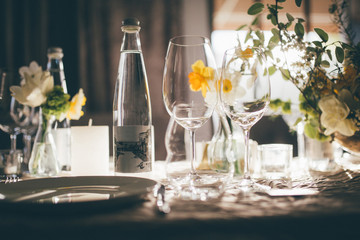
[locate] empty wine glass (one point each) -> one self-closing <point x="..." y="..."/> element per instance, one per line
<point x="246" y="95"/>
<point x="13" y="115"/>
<point x="28" y="132"/>
<point x="190" y="95"/>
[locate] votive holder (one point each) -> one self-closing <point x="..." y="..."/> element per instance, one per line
<point x="10" y="162"/>
<point x="275" y="160"/>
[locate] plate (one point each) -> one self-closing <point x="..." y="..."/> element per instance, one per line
<point x="75" y="193"/>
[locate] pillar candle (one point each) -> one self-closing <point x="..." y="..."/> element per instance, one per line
<point x="90" y="150"/>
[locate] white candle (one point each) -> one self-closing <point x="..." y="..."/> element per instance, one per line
<point x="90" y="150"/>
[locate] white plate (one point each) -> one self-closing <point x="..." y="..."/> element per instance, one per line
<point x="75" y="191"/>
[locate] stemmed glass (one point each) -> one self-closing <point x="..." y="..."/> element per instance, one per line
<point x="13" y="115"/>
<point x="189" y="87"/>
<point x="245" y="73"/>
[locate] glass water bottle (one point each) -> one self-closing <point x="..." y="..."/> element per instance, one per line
<point x="60" y="129"/>
<point x="132" y="123"/>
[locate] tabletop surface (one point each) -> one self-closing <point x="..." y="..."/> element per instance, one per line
<point x="332" y="213"/>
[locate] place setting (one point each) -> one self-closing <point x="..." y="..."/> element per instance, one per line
<point x="214" y="167"/>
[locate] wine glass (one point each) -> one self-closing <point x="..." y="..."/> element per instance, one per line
<point x="246" y="93"/>
<point x="189" y="90"/>
<point x="28" y="132"/>
<point x="13" y="115"/>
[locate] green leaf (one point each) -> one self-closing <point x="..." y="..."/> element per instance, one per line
<point x="310" y="130"/>
<point x="298" y="2"/>
<point x="275" y="31"/>
<point x="274" y="40"/>
<point x="310" y="49"/>
<point x="241" y="27"/>
<point x="285" y="73"/>
<point x="329" y="54"/>
<point x="299" y="30"/>
<point x="301" y="20"/>
<point x="274" y="6"/>
<point x="255" y="21"/>
<point x="317" y="43"/>
<point x="286" y="107"/>
<point x="273" y="20"/>
<point x="255" y="8"/>
<point x="290" y="17"/>
<point x="260" y="35"/>
<point x="256" y="43"/>
<point x="332" y="8"/>
<point x="248" y="36"/>
<point x="347" y="46"/>
<point x="318" y="60"/>
<point x="269" y="54"/>
<point x="265" y="71"/>
<point x="272" y="70"/>
<point x="325" y="64"/>
<point x="339" y="52"/>
<point x="322" y="34"/>
<point x="298" y="121"/>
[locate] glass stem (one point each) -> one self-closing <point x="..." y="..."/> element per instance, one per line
<point x="13" y="143"/>
<point x="247" y="153"/>
<point x="27" y="148"/>
<point x="192" y="147"/>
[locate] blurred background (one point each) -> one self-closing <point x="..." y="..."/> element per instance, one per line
<point x="89" y="33"/>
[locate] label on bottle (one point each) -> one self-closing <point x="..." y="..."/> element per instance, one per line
<point x="133" y="149"/>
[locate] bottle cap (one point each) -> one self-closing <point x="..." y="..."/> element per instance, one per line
<point x="130" y="25"/>
<point x="55" y="52"/>
<point x="130" y="22"/>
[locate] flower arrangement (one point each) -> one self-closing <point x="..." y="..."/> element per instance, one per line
<point x="327" y="74"/>
<point x="37" y="89"/>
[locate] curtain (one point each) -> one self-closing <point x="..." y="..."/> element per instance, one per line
<point x="89" y="31"/>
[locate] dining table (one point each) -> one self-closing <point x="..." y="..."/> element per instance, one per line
<point x="331" y="210"/>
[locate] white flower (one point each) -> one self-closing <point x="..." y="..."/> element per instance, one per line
<point x="36" y="85"/>
<point x="211" y="98"/>
<point x="30" y="70"/>
<point x="76" y="104"/>
<point x="333" y="116"/>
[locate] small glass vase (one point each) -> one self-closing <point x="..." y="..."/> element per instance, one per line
<point x="221" y="151"/>
<point x="178" y="164"/>
<point x="43" y="162"/>
<point x="321" y="156"/>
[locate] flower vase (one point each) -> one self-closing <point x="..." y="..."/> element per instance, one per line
<point x="321" y="156"/>
<point x="349" y="144"/>
<point x="43" y="162"/>
<point x="350" y="158"/>
<point x="222" y="150"/>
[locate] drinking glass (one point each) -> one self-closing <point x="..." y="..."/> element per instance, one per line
<point x="189" y="90"/>
<point x="28" y="132"/>
<point x="13" y="115"/>
<point x="246" y="93"/>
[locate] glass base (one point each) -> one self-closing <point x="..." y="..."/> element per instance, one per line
<point x="204" y="185"/>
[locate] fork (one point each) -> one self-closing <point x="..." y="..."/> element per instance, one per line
<point x="163" y="207"/>
<point x="11" y="179"/>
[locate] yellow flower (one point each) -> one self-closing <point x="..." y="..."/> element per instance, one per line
<point x="76" y="103"/>
<point x="247" y="53"/>
<point x="200" y="76"/>
<point x="227" y="86"/>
